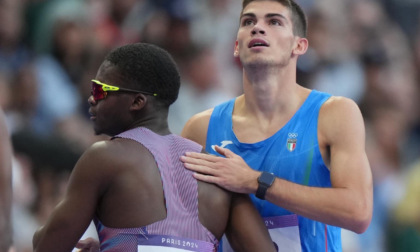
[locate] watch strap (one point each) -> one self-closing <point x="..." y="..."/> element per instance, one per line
<point x="265" y="180"/>
<point x="262" y="189"/>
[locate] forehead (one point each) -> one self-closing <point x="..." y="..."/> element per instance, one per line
<point x="264" y="8"/>
<point x="109" y="74"/>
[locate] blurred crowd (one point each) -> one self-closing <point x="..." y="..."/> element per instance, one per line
<point x="367" y="50"/>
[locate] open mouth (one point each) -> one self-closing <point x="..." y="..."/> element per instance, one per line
<point x="257" y="43"/>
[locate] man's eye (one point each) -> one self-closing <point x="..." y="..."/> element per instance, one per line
<point x="275" y="22"/>
<point x="247" y="22"/>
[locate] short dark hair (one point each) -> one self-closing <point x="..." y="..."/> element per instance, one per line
<point x="300" y="23"/>
<point x="149" y="68"/>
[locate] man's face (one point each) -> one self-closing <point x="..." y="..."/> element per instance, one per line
<point x="110" y="116"/>
<point x="265" y="35"/>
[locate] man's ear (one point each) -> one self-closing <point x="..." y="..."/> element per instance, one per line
<point x="236" y="50"/>
<point x="301" y="47"/>
<point x="139" y="102"/>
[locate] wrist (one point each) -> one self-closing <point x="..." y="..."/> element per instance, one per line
<point x="252" y="189"/>
<point x="265" y="181"/>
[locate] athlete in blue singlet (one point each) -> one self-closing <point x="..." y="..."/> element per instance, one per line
<point x="300" y="153"/>
<point x="293" y="154"/>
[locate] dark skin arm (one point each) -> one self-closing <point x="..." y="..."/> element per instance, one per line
<point x="235" y="216"/>
<point x="73" y="214"/>
<point x="5" y="186"/>
<point x="245" y="228"/>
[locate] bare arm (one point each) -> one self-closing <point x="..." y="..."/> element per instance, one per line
<point x="5" y="186"/>
<point x="347" y="204"/>
<point x="72" y="215"/>
<point x="196" y="127"/>
<point x="246" y="230"/>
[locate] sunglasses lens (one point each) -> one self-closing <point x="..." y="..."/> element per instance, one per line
<point x="97" y="92"/>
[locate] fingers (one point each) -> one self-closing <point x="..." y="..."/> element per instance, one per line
<point x="88" y="245"/>
<point x="196" y="156"/>
<point x="201" y="156"/>
<point x="225" y="152"/>
<point x="204" y="169"/>
<point x="206" y="178"/>
<point x="195" y="162"/>
<point x="204" y="165"/>
<point x="220" y="150"/>
<point x="83" y="244"/>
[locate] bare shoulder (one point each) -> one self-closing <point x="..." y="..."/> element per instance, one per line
<point x="103" y="151"/>
<point x="340" y="104"/>
<point x="107" y="158"/>
<point x="118" y="151"/>
<point x="341" y="118"/>
<point x="96" y="160"/>
<point x="196" y="127"/>
<point x="108" y="161"/>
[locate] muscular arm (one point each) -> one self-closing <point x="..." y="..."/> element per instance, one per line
<point x="348" y="204"/>
<point x="5" y="186"/>
<point x="235" y="216"/>
<point x="246" y="230"/>
<point x="72" y="215"/>
<point x="196" y="128"/>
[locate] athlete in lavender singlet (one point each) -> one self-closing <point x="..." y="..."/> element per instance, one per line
<point x="181" y="228"/>
<point x="134" y="185"/>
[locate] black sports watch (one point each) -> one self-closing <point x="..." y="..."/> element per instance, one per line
<point x="265" y="180"/>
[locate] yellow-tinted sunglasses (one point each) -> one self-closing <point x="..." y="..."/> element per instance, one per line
<point x="99" y="90"/>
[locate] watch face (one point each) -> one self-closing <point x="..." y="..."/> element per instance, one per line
<point x="266" y="178"/>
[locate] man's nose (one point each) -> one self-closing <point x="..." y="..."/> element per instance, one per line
<point x="257" y="29"/>
<point x="91" y="101"/>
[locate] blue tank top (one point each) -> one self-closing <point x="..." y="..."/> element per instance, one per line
<point x="293" y="154"/>
<point x="181" y="230"/>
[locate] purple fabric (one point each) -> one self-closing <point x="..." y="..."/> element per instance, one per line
<point x="181" y="197"/>
<point x="281" y="221"/>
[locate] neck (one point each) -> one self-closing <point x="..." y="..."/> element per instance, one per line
<point x="269" y="89"/>
<point x="156" y="122"/>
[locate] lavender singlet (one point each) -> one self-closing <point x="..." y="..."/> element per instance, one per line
<point x="181" y="230"/>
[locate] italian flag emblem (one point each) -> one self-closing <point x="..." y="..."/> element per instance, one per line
<point x="291" y="144"/>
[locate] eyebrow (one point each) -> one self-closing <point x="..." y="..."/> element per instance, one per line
<point x="268" y="15"/>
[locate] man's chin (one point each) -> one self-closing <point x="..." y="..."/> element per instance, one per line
<point x="97" y="131"/>
<point x="259" y="62"/>
<point x="103" y="133"/>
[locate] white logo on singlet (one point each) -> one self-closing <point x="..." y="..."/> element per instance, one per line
<point x="223" y="144"/>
